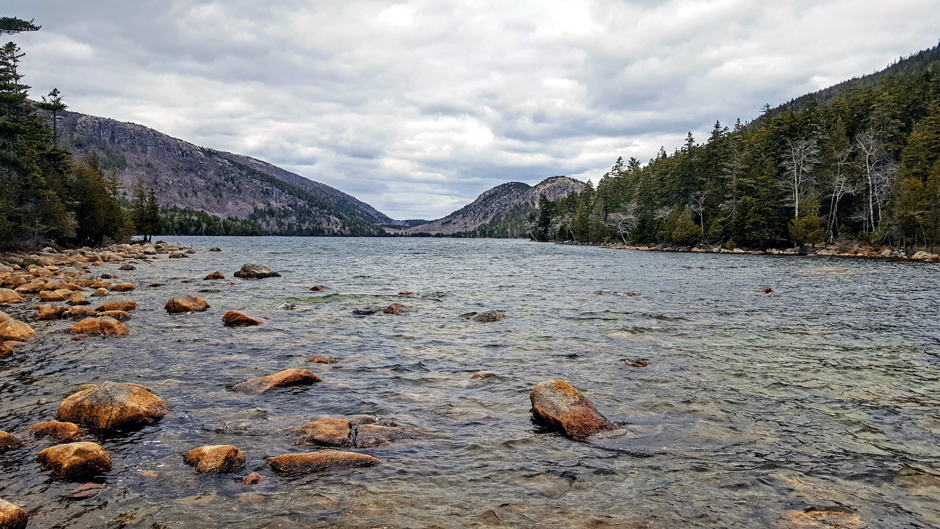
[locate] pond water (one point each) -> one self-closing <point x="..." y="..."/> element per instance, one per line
<point x="825" y="393"/>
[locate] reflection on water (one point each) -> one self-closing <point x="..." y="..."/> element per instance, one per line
<point x="823" y="393"/>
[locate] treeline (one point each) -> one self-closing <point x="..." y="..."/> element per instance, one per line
<point x="181" y="221"/>
<point x="861" y="164"/>
<point x="46" y="195"/>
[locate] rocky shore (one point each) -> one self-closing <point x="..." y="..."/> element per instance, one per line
<point x="859" y="252"/>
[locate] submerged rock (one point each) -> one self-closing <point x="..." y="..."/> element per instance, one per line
<point x="238" y="319"/>
<point x="816" y="518"/>
<point x="253" y="271"/>
<point x="85" y="491"/>
<point x="15" y="330"/>
<point x="487" y="316"/>
<point x="325" y="432"/>
<point x="12" y="516"/>
<point x="367" y="311"/>
<point x="252" y="479"/>
<point x="215" y="459"/>
<point x="214" y="275"/>
<point x="74" y="460"/>
<point x="63" y="432"/>
<point x="104" y="326"/>
<point x="369" y="435"/>
<point x="299" y="464"/>
<point x="113" y="406"/>
<point x="282" y="379"/>
<point x="559" y="406"/>
<point x="396" y="308"/>
<point x="323" y="359"/>
<point x="215" y="249"/>
<point x="186" y="303"/>
<point x="317" y="288"/>
<point x="118" y="304"/>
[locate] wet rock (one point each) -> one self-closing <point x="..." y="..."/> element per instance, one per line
<point x="325" y="432"/>
<point x="215" y="459"/>
<point x="51" y="312"/>
<point x="369" y="435"/>
<point x="559" y="406"/>
<point x="367" y="311"/>
<point x="108" y="276"/>
<point x="74" y="460"/>
<point x="54" y="295"/>
<point x="78" y="337"/>
<point x="15" y="330"/>
<point x="83" y="492"/>
<point x="113" y="406"/>
<point x="549" y="485"/>
<point x="215" y="275"/>
<point x="63" y="432"/>
<point x="238" y="319"/>
<point x="215" y="249"/>
<point x="765" y="290"/>
<point x="104" y="326"/>
<point x="176" y="255"/>
<point x="396" y="308"/>
<point x="299" y="464"/>
<point x="323" y="359"/>
<point x="122" y="287"/>
<point x="829" y="271"/>
<point x="190" y="251"/>
<point x="253" y="271"/>
<point x="816" y="518"/>
<point x="251" y="479"/>
<point x="118" y="304"/>
<point x="187" y="281"/>
<point x="639" y="362"/>
<point x="127" y="267"/>
<point x="154" y="285"/>
<point x="209" y="291"/>
<point x="9" y="296"/>
<point x="487" y="316"/>
<point x="282" y="379"/>
<point x="119" y="315"/>
<point x="100" y="292"/>
<point x="5" y="350"/>
<point x="81" y="312"/>
<point x="286" y="306"/>
<point x="317" y="288"/>
<point x="9" y="442"/>
<point x="186" y="303"/>
<point x="11" y="516"/>
<point x="78" y="299"/>
<point x="406" y="293"/>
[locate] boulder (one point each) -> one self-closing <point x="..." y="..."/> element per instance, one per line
<point x="254" y="478"/>
<point x="177" y="255"/>
<point x="317" y="288"/>
<point x="78" y="299"/>
<point x="74" y="460"/>
<point x="235" y="319"/>
<point x="11" y="516"/>
<point x="323" y="359"/>
<point x="54" y="295"/>
<point x="51" y="312"/>
<point x="559" y="406"/>
<point x="395" y="308"/>
<point x="64" y="432"/>
<point x="100" y="292"/>
<point x="298" y="464"/>
<point x="214" y="249"/>
<point x="119" y="315"/>
<point x="118" y="304"/>
<point x="122" y="287"/>
<point x="253" y="271"/>
<point x="325" y="432"/>
<point x="9" y="442"/>
<point x="9" y="296"/>
<point x="112" y="406"/>
<point x="215" y="275"/>
<point x="215" y="459"/>
<point x="15" y="330"/>
<point x="104" y="325"/>
<point x="282" y="379"/>
<point x="369" y="435"/>
<point x="81" y="312"/>
<point x="187" y="302"/>
<point x="487" y="316"/>
<point x="127" y="267"/>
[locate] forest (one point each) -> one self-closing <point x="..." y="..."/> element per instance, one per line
<point x="858" y="162"/>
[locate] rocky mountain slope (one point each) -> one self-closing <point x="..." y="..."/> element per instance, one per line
<point x="502" y="211"/>
<point x="217" y="182"/>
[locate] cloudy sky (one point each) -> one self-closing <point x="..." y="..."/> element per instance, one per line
<point x="418" y="107"/>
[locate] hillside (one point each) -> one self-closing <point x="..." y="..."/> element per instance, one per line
<point x="502" y="211"/>
<point x="216" y="182"/>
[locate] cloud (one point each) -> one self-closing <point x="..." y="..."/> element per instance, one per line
<point x="418" y="106"/>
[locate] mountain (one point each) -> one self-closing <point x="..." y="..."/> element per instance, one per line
<point x="219" y="183"/>
<point x="502" y="211"/>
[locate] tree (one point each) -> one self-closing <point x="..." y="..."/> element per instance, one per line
<point x="97" y="208"/>
<point x="53" y="103"/>
<point x="878" y="173"/>
<point x="681" y="229"/>
<point x="10" y="25"/>
<point x="799" y="158"/>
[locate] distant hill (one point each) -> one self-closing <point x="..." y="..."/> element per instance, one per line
<point x="219" y="183"/>
<point x="502" y="211"/>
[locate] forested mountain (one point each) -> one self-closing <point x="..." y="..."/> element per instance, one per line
<point x="502" y="211"/>
<point x="856" y="162"/>
<point x="255" y="196"/>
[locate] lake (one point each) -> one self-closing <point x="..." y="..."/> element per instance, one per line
<point x="824" y="393"/>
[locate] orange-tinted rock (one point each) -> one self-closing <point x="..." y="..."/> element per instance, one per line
<point x="51" y="312"/>
<point x="282" y="379"/>
<point x="74" y="460"/>
<point x="78" y="337"/>
<point x="104" y="326"/>
<point x="254" y="478"/>
<point x="558" y="405"/>
<point x="215" y="459"/>
<point x="369" y="435"/>
<point x="323" y="359"/>
<point x="154" y="285"/>
<point x="186" y="303"/>
<point x="233" y="319"/>
<point x="122" y="287"/>
<point x="11" y="516"/>
<point x="85" y="491"/>
<point x="112" y="406"/>
<point x="487" y="316"/>
<point x="317" y="288"/>
<point x="119" y="315"/>
<point x="406" y="293"/>
<point x="63" y="432"/>
<point x="54" y="295"/>
<point x="814" y="518"/>
<point x="215" y="275"/>
<point x="100" y="292"/>
<point x="81" y="312"/>
<point x="9" y="296"/>
<point x="78" y="299"/>
<point x="33" y="287"/>
<point x="325" y="432"/>
<point x="297" y="464"/>
<point x="16" y="330"/>
<point x="395" y="308"/>
<point x="9" y="442"/>
<point x="5" y="350"/>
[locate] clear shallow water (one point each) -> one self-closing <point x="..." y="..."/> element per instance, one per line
<point x="823" y="394"/>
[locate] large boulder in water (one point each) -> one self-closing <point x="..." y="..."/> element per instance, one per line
<point x="64" y="432"/>
<point x="239" y="319"/>
<point x="559" y="406"/>
<point x="74" y="460"/>
<point x="298" y="464"/>
<point x="187" y="302"/>
<point x="215" y="459"/>
<point x="325" y="432"/>
<point x="11" y="516"/>
<point x="105" y="326"/>
<point x="253" y="271"/>
<point x="113" y="406"/>
<point x="15" y="330"/>
<point x="282" y="379"/>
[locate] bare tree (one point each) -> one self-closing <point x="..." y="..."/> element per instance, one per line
<point x="798" y="162"/>
<point x="841" y="186"/>
<point x="878" y="171"/>
<point x="623" y="221"/>
<point x="697" y="205"/>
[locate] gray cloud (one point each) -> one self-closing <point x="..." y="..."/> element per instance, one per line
<point x="417" y="107"/>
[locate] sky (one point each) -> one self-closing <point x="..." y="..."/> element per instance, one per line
<point x="418" y="107"/>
